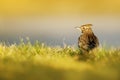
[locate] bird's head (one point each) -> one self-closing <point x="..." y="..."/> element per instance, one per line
<point x="85" y="28"/>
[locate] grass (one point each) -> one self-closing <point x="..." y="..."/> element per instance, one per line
<point x="40" y="62"/>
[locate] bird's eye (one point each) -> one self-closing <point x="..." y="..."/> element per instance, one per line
<point x="85" y="27"/>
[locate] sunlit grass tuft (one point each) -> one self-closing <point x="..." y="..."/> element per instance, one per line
<point x="26" y="61"/>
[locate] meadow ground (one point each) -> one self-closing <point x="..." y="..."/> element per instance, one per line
<point x="40" y="62"/>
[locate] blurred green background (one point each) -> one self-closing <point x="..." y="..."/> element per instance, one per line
<point x="53" y="21"/>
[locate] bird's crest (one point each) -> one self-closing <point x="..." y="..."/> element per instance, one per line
<point x="86" y="28"/>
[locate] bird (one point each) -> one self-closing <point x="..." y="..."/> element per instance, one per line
<point x="87" y="41"/>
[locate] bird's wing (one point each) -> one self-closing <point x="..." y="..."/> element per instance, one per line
<point x="83" y="42"/>
<point x="93" y="41"/>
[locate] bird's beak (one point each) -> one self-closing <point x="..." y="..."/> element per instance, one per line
<point x="77" y="27"/>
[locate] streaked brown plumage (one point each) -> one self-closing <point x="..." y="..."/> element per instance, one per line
<point x="87" y="41"/>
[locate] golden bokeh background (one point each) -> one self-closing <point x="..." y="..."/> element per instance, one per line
<point x="47" y="7"/>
